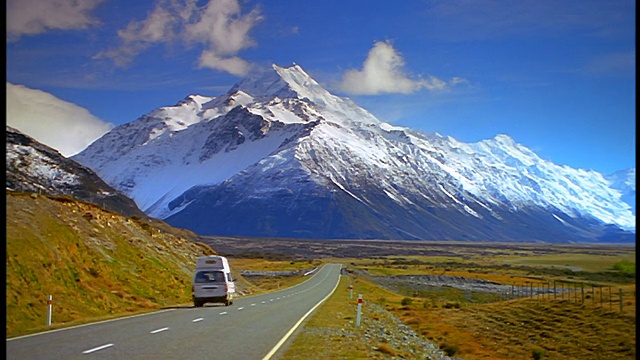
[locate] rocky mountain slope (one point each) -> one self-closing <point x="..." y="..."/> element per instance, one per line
<point x="35" y="167"/>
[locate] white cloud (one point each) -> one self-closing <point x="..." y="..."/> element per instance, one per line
<point x="32" y="17"/>
<point x="61" y="125"/>
<point x="233" y="65"/>
<point x="223" y="32"/>
<point x="138" y="36"/>
<point x="382" y="72"/>
<point x="218" y="26"/>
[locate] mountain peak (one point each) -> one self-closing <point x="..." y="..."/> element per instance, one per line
<point x="282" y="82"/>
<point x="293" y="82"/>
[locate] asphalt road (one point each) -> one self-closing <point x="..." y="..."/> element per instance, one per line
<point x="253" y="327"/>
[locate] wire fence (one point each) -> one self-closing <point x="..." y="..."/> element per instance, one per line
<point x="587" y="294"/>
<point x="622" y="298"/>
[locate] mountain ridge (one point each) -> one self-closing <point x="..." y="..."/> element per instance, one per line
<point x="279" y="137"/>
<point x="34" y="167"/>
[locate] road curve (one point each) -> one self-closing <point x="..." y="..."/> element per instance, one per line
<point x="252" y="328"/>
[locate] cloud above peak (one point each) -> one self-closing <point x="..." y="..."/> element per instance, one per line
<point x="32" y="17"/>
<point x="382" y="72"/>
<point x="61" y="125"/>
<point x="219" y="27"/>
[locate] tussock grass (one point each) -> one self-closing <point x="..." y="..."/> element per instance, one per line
<point x="261" y="284"/>
<point x="331" y="332"/>
<point x="513" y="329"/>
<point x="95" y="264"/>
<point x="486" y="326"/>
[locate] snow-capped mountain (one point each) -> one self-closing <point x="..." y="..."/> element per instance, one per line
<point x="625" y="182"/>
<point x="279" y="156"/>
<point x="35" y="167"/>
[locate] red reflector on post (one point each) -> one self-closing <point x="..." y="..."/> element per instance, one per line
<point x="359" y="301"/>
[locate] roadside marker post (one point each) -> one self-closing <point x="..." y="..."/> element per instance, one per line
<point x="359" y="310"/>
<point x="350" y="292"/>
<point x="49" y="302"/>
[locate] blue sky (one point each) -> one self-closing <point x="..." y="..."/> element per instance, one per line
<point x="558" y="76"/>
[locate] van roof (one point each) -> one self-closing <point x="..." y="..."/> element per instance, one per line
<point x="211" y="261"/>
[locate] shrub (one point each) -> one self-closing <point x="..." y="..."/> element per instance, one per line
<point x="407" y="301"/>
<point x="451" y="305"/>
<point x="625" y="266"/>
<point x="537" y="354"/>
<point x="449" y="349"/>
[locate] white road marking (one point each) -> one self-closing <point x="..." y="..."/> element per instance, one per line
<point x="97" y="348"/>
<point x="159" y="330"/>
<point x="223" y="313"/>
<point x="286" y="336"/>
<point x="240" y="308"/>
<point x="198" y="319"/>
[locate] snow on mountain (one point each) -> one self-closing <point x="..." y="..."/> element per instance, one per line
<point x="625" y="182"/>
<point x="278" y="155"/>
<point x="34" y="167"/>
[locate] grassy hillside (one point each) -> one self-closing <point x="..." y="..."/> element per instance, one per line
<point x="95" y="264"/>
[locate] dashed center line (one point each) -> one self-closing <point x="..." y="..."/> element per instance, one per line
<point x="97" y="348"/>
<point x="223" y="313"/>
<point x="159" y="330"/>
<point x="198" y="319"/>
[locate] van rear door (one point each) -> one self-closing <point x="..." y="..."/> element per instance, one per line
<point x="209" y="284"/>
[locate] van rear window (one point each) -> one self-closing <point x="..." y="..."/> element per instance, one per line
<point x="209" y="277"/>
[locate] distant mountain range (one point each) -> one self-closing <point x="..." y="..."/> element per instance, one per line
<point x="279" y="156"/>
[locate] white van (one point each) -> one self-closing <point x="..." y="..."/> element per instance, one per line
<point x="212" y="281"/>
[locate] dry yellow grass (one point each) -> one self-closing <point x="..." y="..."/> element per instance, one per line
<point x="541" y="327"/>
<point x="331" y="332"/>
<point x="261" y="284"/>
<point x="515" y="329"/>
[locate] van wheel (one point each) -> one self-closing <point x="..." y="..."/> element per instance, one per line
<point x="227" y="303"/>
<point x="197" y="303"/>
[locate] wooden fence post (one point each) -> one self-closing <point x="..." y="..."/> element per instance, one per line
<point x="570" y="286"/>
<point x="621" y="300"/>
<point x="600" y="296"/>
